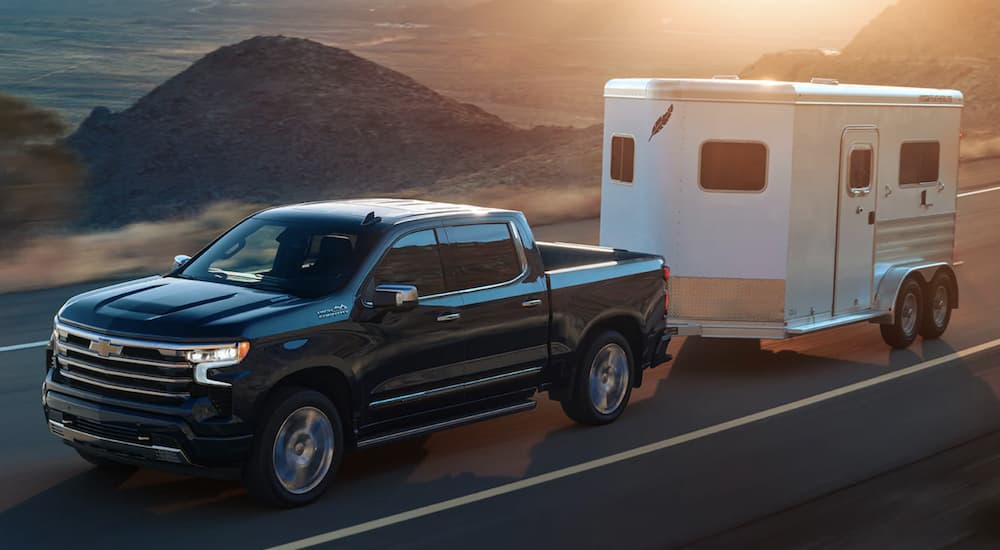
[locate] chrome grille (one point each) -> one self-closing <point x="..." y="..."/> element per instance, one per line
<point x="122" y="367"/>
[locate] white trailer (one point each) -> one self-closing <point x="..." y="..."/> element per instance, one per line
<point x="786" y="208"/>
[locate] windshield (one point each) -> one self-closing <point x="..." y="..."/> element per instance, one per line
<point x="304" y="258"/>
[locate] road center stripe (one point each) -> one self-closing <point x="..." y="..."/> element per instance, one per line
<point x="625" y="455"/>
<point x="29" y="345"/>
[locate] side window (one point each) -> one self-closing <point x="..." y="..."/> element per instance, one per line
<point x="860" y="169"/>
<point x="480" y="255"/>
<point x="622" y="159"/>
<point x="919" y="162"/>
<point x="413" y="260"/>
<point x="739" y="166"/>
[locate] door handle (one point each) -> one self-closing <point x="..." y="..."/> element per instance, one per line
<point x="446" y="317"/>
<point x="860" y="210"/>
<point x="531" y="303"/>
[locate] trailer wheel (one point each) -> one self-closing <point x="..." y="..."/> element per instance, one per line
<point x="297" y="450"/>
<point x="937" y="306"/>
<point x="906" y="316"/>
<point x="603" y="382"/>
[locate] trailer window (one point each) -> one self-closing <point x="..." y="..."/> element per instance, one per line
<point x="860" y="169"/>
<point x="622" y="159"/>
<point x="733" y="166"/>
<point x="919" y="162"/>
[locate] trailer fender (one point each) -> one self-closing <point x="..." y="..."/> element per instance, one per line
<point x="888" y="287"/>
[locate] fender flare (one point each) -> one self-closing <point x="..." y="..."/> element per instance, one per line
<point x="888" y="287"/>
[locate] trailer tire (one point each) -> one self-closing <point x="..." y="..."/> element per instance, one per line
<point x="302" y="428"/>
<point x="937" y="306"/>
<point x="602" y="384"/>
<point x="906" y="316"/>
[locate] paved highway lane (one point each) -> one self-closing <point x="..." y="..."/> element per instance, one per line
<point x="675" y="495"/>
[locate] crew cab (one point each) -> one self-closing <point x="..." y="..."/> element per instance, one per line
<point x="312" y="330"/>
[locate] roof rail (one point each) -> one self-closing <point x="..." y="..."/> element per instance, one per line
<point x="827" y="81"/>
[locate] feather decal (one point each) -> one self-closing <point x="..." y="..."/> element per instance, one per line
<point x="661" y="122"/>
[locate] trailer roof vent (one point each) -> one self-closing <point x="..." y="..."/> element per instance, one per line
<point x="827" y="81"/>
<point x="726" y="77"/>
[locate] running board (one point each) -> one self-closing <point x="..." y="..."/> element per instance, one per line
<point x="446" y="424"/>
<point x="837" y="322"/>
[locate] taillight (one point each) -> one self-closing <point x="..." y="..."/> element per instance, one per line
<point x="666" y="287"/>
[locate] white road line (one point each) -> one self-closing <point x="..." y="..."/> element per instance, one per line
<point x="978" y="192"/>
<point x="29" y="345"/>
<point x="625" y="455"/>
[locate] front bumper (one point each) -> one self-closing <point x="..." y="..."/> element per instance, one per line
<point x="142" y="438"/>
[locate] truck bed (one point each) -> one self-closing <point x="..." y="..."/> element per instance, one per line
<point x="561" y="256"/>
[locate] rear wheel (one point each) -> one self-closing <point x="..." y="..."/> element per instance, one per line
<point x="937" y="306"/>
<point x="603" y="382"/>
<point x="906" y="316"/>
<point x="297" y="451"/>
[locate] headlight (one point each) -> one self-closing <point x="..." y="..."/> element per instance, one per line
<point x="206" y="360"/>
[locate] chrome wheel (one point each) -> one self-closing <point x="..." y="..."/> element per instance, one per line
<point x="908" y="315"/>
<point x="609" y="379"/>
<point x="939" y="306"/>
<point x="303" y="450"/>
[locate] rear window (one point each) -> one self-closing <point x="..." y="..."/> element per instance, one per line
<point x="480" y="255"/>
<point x="919" y="162"/>
<point x="414" y="259"/>
<point x="733" y="166"/>
<point x="622" y="159"/>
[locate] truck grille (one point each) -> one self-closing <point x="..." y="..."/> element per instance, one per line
<point x="122" y="367"/>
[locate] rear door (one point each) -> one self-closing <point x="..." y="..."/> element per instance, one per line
<point x="504" y="316"/>
<point x="856" y="220"/>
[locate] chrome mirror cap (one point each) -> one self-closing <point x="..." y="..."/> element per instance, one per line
<point x="396" y="296"/>
<point x="180" y="260"/>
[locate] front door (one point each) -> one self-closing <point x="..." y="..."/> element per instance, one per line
<point x="415" y="360"/>
<point x="857" y="201"/>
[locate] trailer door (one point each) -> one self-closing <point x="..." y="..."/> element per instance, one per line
<point x="856" y="220"/>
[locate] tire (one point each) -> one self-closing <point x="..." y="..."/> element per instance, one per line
<point x="603" y="382"/>
<point x="906" y="316"/>
<point x="105" y="464"/>
<point x="299" y="428"/>
<point x="937" y="306"/>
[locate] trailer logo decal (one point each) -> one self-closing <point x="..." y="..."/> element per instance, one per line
<point x="661" y="122"/>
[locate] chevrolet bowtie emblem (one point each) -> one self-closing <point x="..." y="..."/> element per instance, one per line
<point x="105" y="348"/>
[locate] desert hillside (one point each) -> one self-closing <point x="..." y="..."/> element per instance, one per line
<point x="913" y="43"/>
<point x="276" y="119"/>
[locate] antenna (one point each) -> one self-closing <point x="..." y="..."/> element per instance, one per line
<point x="371" y="219"/>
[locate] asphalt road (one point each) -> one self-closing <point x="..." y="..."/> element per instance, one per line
<point x="728" y="433"/>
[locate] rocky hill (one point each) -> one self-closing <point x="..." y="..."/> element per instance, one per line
<point x="276" y="119"/>
<point x="913" y="43"/>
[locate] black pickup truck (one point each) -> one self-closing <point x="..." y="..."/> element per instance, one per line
<point x="311" y="330"/>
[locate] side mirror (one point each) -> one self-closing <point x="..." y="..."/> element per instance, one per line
<point x="180" y="260"/>
<point x="395" y="296"/>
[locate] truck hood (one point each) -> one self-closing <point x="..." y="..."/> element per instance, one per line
<point x="170" y="308"/>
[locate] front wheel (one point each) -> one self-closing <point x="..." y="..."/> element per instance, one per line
<point x="297" y="451"/>
<point x="603" y="382"/>
<point x="906" y="316"/>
